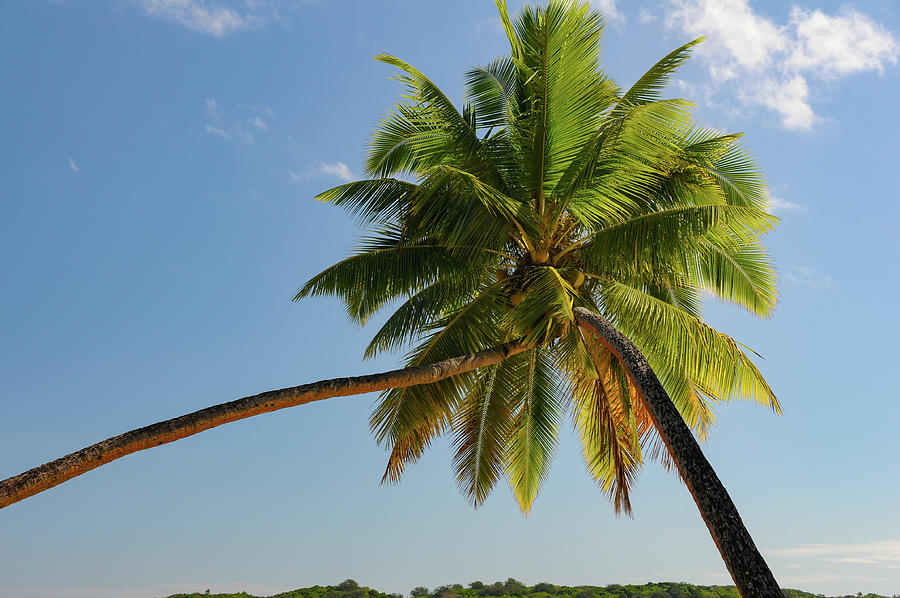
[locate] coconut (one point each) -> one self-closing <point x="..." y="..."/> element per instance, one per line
<point x="541" y="256"/>
<point x="578" y="280"/>
<point x="501" y="274"/>
<point x="517" y="298"/>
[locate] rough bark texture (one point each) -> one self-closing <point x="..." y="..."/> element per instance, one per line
<point x="65" y="468"/>
<point x="749" y="571"/>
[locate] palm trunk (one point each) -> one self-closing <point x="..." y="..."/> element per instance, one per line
<point x="749" y="571"/>
<point x="65" y="468"/>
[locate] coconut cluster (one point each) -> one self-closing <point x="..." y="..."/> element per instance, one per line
<point x="537" y="257"/>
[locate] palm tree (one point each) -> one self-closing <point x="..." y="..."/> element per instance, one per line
<point x="543" y="252"/>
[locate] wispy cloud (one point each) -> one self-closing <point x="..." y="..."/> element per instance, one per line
<point x="336" y="169"/>
<point x="777" y="66"/>
<point x="810" y="278"/>
<point x="258" y="123"/>
<point x="609" y="9"/>
<point x="212" y="107"/>
<point x="195" y="15"/>
<point x="72" y="166"/>
<point x="884" y="553"/>
<point x="215" y="18"/>
<point x="243" y="133"/>
<point x="777" y="204"/>
<point x="217" y="132"/>
<point x="489" y="28"/>
<point x="241" y="126"/>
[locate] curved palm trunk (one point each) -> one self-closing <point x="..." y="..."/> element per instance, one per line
<point x="65" y="468"/>
<point x="749" y="571"/>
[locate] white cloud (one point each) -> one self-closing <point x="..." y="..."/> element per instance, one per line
<point x="646" y="15"/>
<point x="213" y="108"/>
<point x="736" y="38"/>
<point x="240" y="127"/>
<point x="72" y="166"/>
<point x="608" y="8"/>
<point x="217" y="131"/>
<point x="775" y="65"/>
<point x="243" y="134"/>
<point x="884" y="553"/>
<point x="776" y="204"/>
<point x="789" y="97"/>
<point x="840" y="45"/>
<point x="258" y="123"/>
<point x="217" y="18"/>
<point x="338" y="169"/>
<point x="809" y="277"/>
<point x="197" y="15"/>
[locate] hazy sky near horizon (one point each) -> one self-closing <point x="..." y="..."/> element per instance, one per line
<point x="159" y="160"/>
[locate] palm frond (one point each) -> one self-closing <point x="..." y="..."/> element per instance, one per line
<point x="468" y="211"/>
<point x="667" y="335"/>
<point x="372" y="278"/>
<point x="651" y="84"/>
<point x="420" y="313"/>
<point x="739" y="272"/>
<point x="559" y="69"/>
<point x="425" y="130"/>
<point x="371" y="199"/>
<point x="404" y="418"/>
<point x="481" y="427"/>
<point x="492" y="89"/>
<point x="605" y="425"/>
<point x="532" y="434"/>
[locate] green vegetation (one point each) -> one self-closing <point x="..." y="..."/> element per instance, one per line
<point x="512" y="588"/>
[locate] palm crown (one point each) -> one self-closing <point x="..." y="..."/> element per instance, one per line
<point x="551" y="189"/>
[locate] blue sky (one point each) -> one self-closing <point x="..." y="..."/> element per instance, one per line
<point x="159" y="160"/>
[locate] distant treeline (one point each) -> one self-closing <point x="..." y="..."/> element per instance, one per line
<point x="512" y="588"/>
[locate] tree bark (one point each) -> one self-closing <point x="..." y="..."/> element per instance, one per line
<point x="65" y="468"/>
<point x="746" y="565"/>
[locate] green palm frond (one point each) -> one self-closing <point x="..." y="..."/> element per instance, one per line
<point x="738" y="272"/>
<point x="662" y="233"/>
<point x="449" y="191"/>
<point x="559" y="73"/>
<point x="666" y="334"/>
<point x="372" y="200"/>
<point x="492" y="91"/>
<point x="417" y="315"/>
<point x="428" y="129"/>
<point x="733" y="168"/>
<point x="369" y="280"/>
<point x="409" y="417"/>
<point x="629" y="152"/>
<point x="606" y="425"/>
<point x="651" y="84"/>
<point x="532" y="437"/>
<point x="481" y="426"/>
